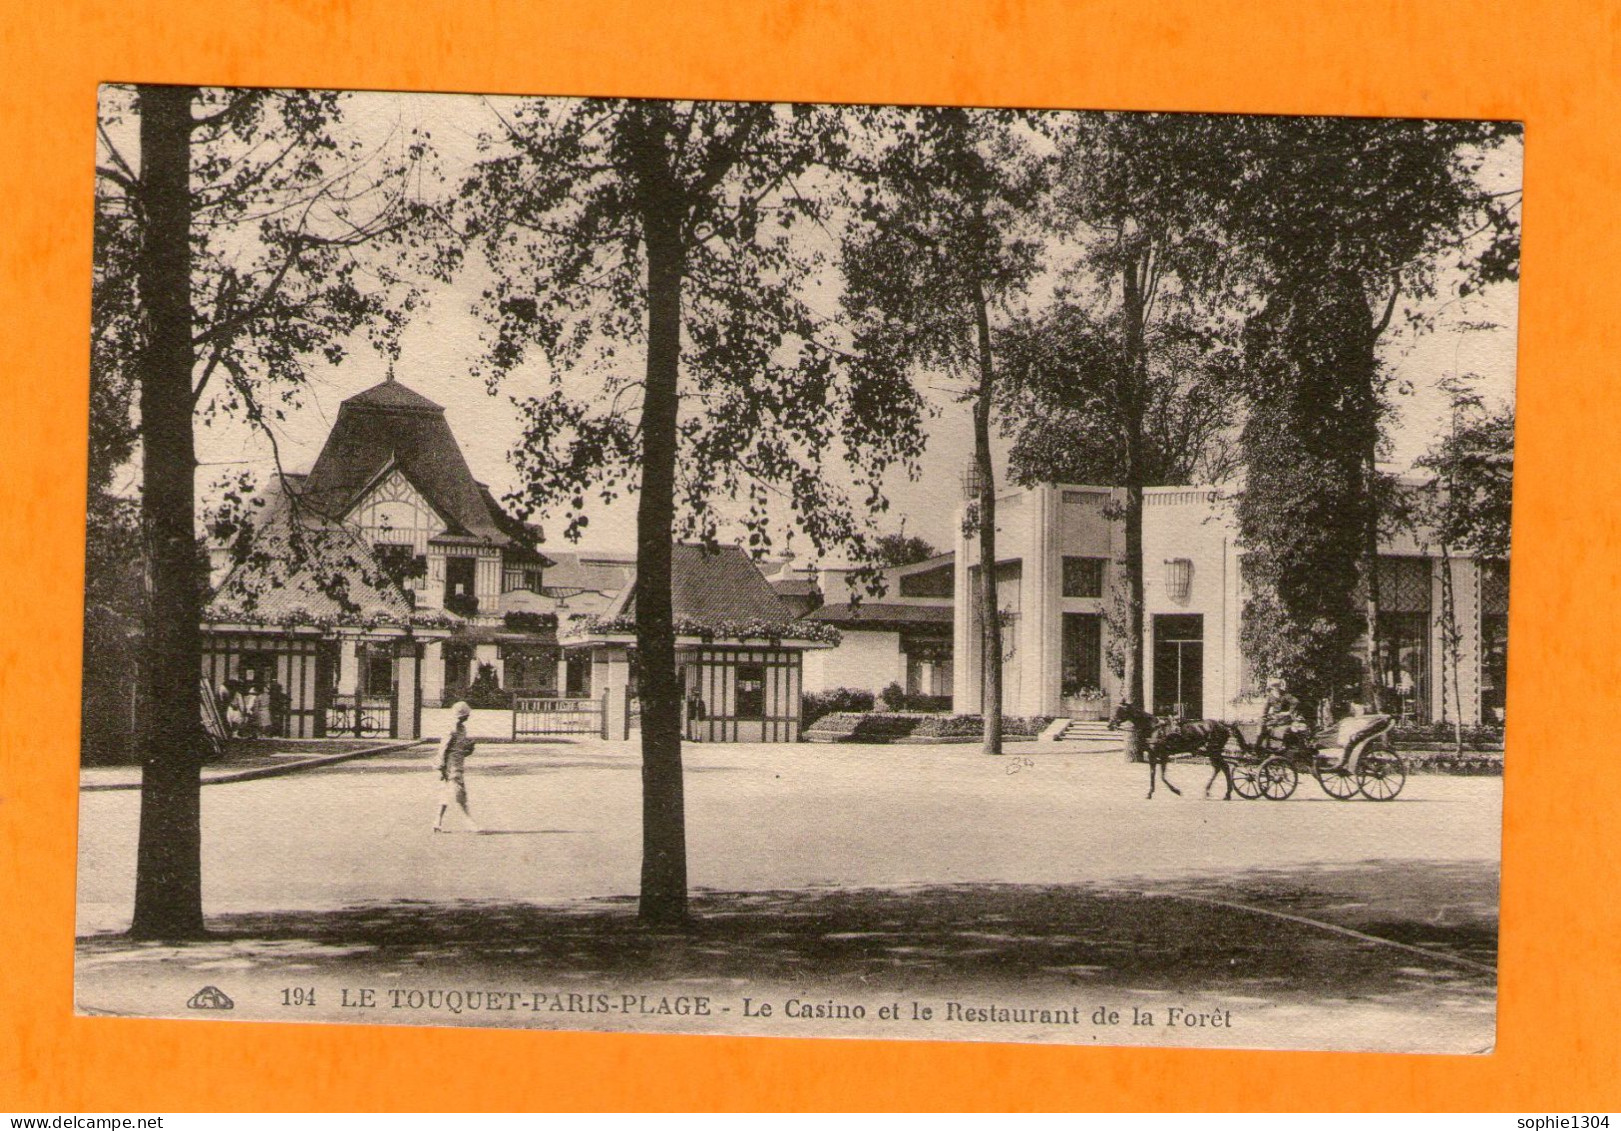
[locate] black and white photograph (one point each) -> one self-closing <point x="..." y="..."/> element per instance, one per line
<point x="797" y="570"/>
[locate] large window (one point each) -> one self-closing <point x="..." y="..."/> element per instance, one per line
<point x="1405" y="586"/>
<point x="1404" y="664"/>
<point x="1083" y="577"/>
<point x="458" y="661"/>
<point x="459" y="575"/>
<point x="1082" y="653"/>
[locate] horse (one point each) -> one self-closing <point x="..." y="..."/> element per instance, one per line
<point x="1163" y="738"/>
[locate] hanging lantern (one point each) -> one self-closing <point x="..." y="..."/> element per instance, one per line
<point x="1178" y="578"/>
<point x="971" y="483"/>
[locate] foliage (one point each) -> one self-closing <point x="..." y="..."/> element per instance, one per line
<point x="462" y="604"/>
<point x="1338" y="221"/>
<point x="817" y="632"/>
<point x="1068" y="420"/>
<point x="485" y="692"/>
<point x="896" y="698"/>
<point x="971" y="726"/>
<point x="901" y="549"/>
<point x="941" y="246"/>
<point x="1086" y="692"/>
<point x="1467" y="504"/>
<point x="282" y="210"/>
<point x="769" y="401"/>
<point x="530" y="622"/>
<point x="1305" y="508"/>
<point x="880" y="727"/>
<point x="841" y="700"/>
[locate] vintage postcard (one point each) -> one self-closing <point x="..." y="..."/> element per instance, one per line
<point x="791" y="570"/>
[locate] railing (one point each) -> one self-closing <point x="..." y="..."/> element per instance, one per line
<point x="533" y="718"/>
<point x="366" y="716"/>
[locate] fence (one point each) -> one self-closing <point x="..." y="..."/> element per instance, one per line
<point x="533" y="718"/>
<point x="367" y="716"/>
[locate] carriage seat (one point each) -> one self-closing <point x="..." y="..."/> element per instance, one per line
<point x="1352" y="735"/>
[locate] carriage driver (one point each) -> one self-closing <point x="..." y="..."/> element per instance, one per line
<point x="1281" y="717"/>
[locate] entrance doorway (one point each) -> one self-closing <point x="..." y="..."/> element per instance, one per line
<point x="1179" y="665"/>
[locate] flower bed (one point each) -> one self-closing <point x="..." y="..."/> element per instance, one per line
<point x="881" y="727"/>
<point x="1479" y="763"/>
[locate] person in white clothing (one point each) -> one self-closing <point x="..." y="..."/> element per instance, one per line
<point x="451" y="762"/>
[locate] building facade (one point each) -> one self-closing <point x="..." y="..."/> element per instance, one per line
<point x="899" y="637"/>
<point x="1059" y="573"/>
<point x="385" y="580"/>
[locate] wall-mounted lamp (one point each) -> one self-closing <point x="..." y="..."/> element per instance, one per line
<point x="1178" y="578"/>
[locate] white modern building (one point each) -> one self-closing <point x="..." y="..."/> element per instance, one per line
<point x="1060" y="550"/>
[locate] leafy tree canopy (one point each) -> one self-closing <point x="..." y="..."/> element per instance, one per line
<point x="771" y="398"/>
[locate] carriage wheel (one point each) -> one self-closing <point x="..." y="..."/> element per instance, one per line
<point x="1278" y="779"/>
<point x="1380" y="775"/>
<point x="1337" y="783"/>
<point x="1247" y="780"/>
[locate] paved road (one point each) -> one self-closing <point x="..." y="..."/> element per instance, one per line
<point x="759" y="818"/>
<point x="1041" y="884"/>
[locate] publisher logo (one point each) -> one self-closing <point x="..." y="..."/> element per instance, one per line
<point x="210" y="997"/>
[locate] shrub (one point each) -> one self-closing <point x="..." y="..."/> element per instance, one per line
<point x="841" y="700"/>
<point x="485" y="693"/>
<point x="1424" y="735"/>
<point x="896" y="698"/>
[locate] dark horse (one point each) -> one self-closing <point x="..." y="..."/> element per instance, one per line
<point x="1163" y="738"/>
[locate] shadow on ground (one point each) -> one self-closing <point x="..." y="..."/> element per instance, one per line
<point x="943" y="938"/>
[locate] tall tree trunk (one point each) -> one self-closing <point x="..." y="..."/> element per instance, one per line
<point x="664" y="829"/>
<point x="1132" y="401"/>
<point x="168" y="870"/>
<point x="990" y="611"/>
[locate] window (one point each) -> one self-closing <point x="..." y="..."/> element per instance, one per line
<point x="750" y="691"/>
<point x="1083" y="577"/>
<point x="458" y="659"/>
<point x="929" y="583"/>
<point x="459" y="574"/>
<point x="1179" y="665"/>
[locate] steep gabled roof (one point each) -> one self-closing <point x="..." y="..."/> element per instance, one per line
<point x="328" y="578"/>
<point x="390" y="423"/>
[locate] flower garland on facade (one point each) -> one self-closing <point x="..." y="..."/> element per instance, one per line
<point x="759" y="628"/>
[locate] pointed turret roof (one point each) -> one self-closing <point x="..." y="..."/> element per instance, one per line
<point x="391" y="424"/>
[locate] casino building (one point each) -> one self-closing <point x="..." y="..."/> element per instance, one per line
<point x="1058" y="571"/>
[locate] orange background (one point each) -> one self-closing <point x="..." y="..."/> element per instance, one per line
<point x="1554" y="65"/>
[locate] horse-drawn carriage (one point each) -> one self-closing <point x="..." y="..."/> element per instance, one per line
<point x="1355" y="760"/>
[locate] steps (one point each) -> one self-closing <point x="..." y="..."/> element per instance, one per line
<point x="1091" y="736"/>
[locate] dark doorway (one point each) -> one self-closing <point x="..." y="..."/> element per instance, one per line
<point x="1179" y="665"/>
